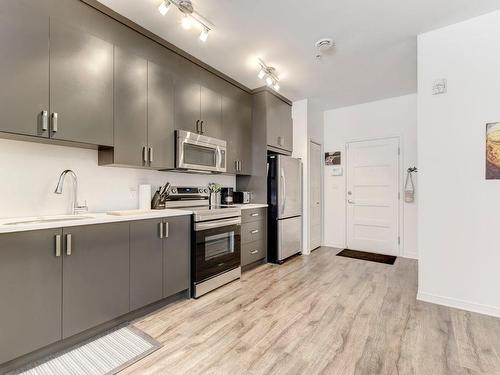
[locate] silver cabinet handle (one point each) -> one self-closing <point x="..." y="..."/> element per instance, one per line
<point x="55" y="127"/>
<point x="45" y="121"/>
<point x="239" y="165"/>
<point x="201" y="127"/>
<point x="280" y="141"/>
<point x="151" y="154"/>
<point x="69" y="244"/>
<point x="58" y="245"/>
<point x="197" y="126"/>
<point x="254" y="215"/>
<point x="236" y="165"/>
<point x="255" y="231"/>
<point x="144" y="154"/>
<point x="161" y="230"/>
<point x="254" y="252"/>
<point x="166" y="229"/>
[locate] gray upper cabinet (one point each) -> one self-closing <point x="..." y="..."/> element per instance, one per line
<point x="187" y="105"/>
<point x="197" y="108"/>
<point x="146" y="262"/>
<point x="161" y="135"/>
<point x="130" y="109"/>
<point x="95" y="275"/>
<point x="24" y="69"/>
<point x="176" y="255"/>
<point x="81" y="86"/>
<point x="211" y="113"/>
<point x="279" y="122"/>
<point x="237" y="129"/>
<point x="30" y="291"/>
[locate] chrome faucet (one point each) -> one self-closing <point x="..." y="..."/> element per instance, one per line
<point x="76" y="209"/>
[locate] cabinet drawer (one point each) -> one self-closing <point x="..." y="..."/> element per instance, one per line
<point x="251" y="215"/>
<point x="253" y="251"/>
<point x="251" y="232"/>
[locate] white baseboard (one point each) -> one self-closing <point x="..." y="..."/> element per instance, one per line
<point x="459" y="304"/>
<point x="336" y="245"/>
<point x="410" y="255"/>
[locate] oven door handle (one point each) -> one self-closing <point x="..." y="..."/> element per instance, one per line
<point x="217" y="224"/>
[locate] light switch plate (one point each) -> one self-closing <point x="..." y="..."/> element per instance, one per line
<point x="440" y="86"/>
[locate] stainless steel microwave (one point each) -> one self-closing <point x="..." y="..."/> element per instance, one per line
<point x="199" y="153"/>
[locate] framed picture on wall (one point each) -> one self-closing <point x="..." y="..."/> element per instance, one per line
<point x="493" y="151"/>
<point x="332" y="158"/>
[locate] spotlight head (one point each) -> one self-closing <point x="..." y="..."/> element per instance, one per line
<point x="164" y="7"/>
<point x="204" y="35"/>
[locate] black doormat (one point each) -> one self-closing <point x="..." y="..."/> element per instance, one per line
<point x="363" y="255"/>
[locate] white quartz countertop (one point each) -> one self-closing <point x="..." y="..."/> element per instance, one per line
<point x="250" y="206"/>
<point x="22" y="224"/>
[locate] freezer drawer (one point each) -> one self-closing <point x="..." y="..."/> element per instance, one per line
<point x="289" y="237"/>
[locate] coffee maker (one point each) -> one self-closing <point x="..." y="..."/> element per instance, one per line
<point x="227" y="196"/>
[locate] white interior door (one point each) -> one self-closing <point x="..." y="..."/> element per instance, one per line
<point x="315" y="165"/>
<point x="373" y="196"/>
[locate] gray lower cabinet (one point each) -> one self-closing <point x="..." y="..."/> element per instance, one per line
<point x="81" y="86"/>
<point x="130" y="110"/>
<point x="237" y="130"/>
<point x="30" y="291"/>
<point x="159" y="259"/>
<point x="95" y="275"/>
<point x="24" y="68"/>
<point x="176" y="255"/>
<point x="253" y="235"/>
<point x="146" y="262"/>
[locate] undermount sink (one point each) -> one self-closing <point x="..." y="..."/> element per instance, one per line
<point x="48" y="220"/>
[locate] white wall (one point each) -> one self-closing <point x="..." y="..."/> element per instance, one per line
<point x="459" y="211"/>
<point x="29" y="174"/>
<point x="300" y="151"/>
<point x="380" y="119"/>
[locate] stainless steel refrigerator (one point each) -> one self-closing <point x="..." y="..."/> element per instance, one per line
<point x="284" y="196"/>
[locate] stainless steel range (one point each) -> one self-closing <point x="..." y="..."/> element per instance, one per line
<point x="215" y="240"/>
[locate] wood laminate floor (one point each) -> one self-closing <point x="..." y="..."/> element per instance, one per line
<point x="320" y="314"/>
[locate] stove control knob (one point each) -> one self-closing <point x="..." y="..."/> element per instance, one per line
<point x="200" y="190"/>
<point x="174" y="191"/>
<point x="206" y="191"/>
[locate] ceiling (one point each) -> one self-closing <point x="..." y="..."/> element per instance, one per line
<point x="375" y="56"/>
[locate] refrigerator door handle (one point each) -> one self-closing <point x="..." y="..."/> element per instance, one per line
<point x="283" y="178"/>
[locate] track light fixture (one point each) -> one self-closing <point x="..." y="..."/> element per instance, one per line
<point x="190" y="16"/>
<point x="269" y="74"/>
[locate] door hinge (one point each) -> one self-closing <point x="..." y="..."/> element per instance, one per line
<point x="399" y="151"/>
<point x="399" y="240"/>
<point x="399" y="196"/>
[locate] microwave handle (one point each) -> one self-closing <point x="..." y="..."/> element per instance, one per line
<point x="219" y="158"/>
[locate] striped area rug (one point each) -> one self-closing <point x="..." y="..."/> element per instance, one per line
<point x="103" y="355"/>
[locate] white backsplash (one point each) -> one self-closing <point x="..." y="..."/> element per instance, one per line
<point x="29" y="173"/>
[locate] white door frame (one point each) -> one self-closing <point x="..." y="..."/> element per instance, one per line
<point x="321" y="170"/>
<point x="400" y="192"/>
